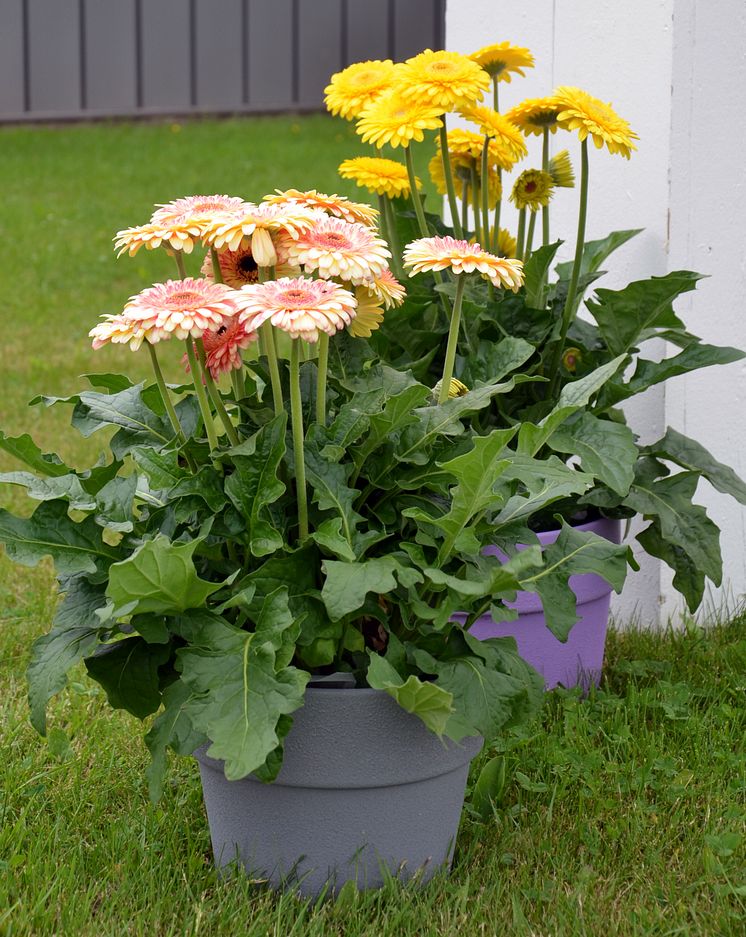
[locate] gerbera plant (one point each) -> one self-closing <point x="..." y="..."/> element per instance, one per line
<point x="272" y="518"/>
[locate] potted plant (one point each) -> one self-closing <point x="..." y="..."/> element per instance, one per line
<point x="543" y="330"/>
<point x="271" y="557"/>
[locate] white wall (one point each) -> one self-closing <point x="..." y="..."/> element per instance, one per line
<point x="678" y="77"/>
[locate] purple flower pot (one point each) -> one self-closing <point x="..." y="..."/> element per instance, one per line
<point x="579" y="661"/>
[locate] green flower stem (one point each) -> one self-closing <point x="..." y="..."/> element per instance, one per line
<point x="383" y="220"/>
<point x="530" y="236"/>
<point x="416" y="200"/>
<point x="239" y="385"/>
<point x="217" y="400"/>
<point x="165" y="396"/>
<point x="199" y="389"/>
<point x="498" y="205"/>
<point x="179" y="261"/>
<point x="465" y="205"/>
<point x="485" y="195"/>
<point x="217" y="273"/>
<point x="521" y="234"/>
<point x="296" y="417"/>
<point x="475" y="202"/>
<point x="545" y="209"/>
<point x="495" y="95"/>
<point x="393" y="238"/>
<point x="323" y="364"/>
<point x="270" y="351"/>
<point x="448" y="173"/>
<point x="567" y="313"/>
<point x="445" y="381"/>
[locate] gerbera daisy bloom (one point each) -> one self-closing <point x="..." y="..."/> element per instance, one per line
<point x="299" y="306"/>
<point x="120" y="330"/>
<point x="506" y="243"/>
<point x="498" y="128"/>
<point x="179" y="235"/>
<point x="593" y="118"/>
<point x="196" y="208"/>
<point x="368" y="315"/>
<point x="387" y="289"/>
<point x="532" y="189"/>
<point x="255" y="225"/>
<point x="441" y="253"/>
<point x="462" y="166"/>
<point x="182" y="308"/>
<point x="444" y="79"/>
<point x="535" y="115"/>
<point x="336" y="248"/>
<point x="240" y="267"/>
<point x="350" y="91"/>
<point x="501" y="59"/>
<point x="337" y="205"/>
<point x="223" y="347"/>
<point x="392" y="119"/>
<point x="377" y="175"/>
<point x="467" y="143"/>
<point x="456" y="388"/>
<point x="560" y="169"/>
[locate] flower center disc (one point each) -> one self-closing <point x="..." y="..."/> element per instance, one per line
<point x="298" y="297"/>
<point x="185" y="298"/>
<point x="334" y="239"/>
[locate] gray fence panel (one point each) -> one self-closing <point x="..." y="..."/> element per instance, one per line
<point x="219" y="54"/>
<point x="110" y="56"/>
<point x="271" y="54"/>
<point x="415" y="27"/>
<point x="319" y="47"/>
<point x="166" y="50"/>
<point x="11" y="57"/>
<point x="367" y="35"/>
<point x="54" y="55"/>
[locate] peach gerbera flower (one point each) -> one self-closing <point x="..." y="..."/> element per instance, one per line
<point x="182" y="307"/>
<point x="239" y="268"/>
<point x="350" y="91"/>
<point x="387" y="289"/>
<point x="178" y="235"/>
<point x="337" y="205"/>
<point x="441" y="253"/>
<point x="120" y="330"/>
<point x="299" y="306"/>
<point x="336" y="248"/>
<point x="256" y="226"/>
<point x="200" y="209"/>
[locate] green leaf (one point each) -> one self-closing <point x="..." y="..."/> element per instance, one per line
<point x="73" y="636"/>
<point x="59" y="487"/>
<point x="114" y="503"/>
<point x="347" y="584"/>
<point x="623" y="315"/>
<point x="331" y="492"/>
<point x="494" y="360"/>
<point x="254" y="484"/>
<point x="173" y="729"/>
<point x="244" y="684"/>
<point x="490" y="787"/>
<point x="113" y="383"/>
<point x="545" y="480"/>
<point x="426" y="700"/>
<point x="536" y="271"/>
<point x="159" y="576"/>
<point x="596" y="252"/>
<point x="128" y="672"/>
<point x="606" y="449"/>
<point x="388" y="424"/>
<point x="25" y="449"/>
<point x="74" y="547"/>
<point x="692" y="456"/>
<point x="688" y="579"/>
<point x="329" y="536"/>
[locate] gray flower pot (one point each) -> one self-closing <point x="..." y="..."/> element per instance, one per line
<point x="365" y="790"/>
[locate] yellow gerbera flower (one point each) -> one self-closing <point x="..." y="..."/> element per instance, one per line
<point x="506" y="243"/>
<point x="387" y="289"/>
<point x="532" y="189"/>
<point x="593" y="118"/>
<point x="560" y="169"/>
<point x="535" y="115"/>
<point x="393" y="120"/>
<point x="353" y="89"/>
<point x="443" y="79"/>
<point x="377" y="175"/>
<point x="462" y="166"/>
<point x="441" y="253"/>
<point x="501" y="59"/>
<point x="369" y="314"/>
<point x="467" y="143"/>
<point x="456" y="388"/>
<point x="498" y="128"/>
<point x="337" y="205"/>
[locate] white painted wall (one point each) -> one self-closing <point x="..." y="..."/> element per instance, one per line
<point x="678" y="76"/>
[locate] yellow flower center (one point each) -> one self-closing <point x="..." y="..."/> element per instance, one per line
<point x="443" y="67"/>
<point x="599" y="111"/>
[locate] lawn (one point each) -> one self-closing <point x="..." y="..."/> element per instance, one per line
<point x="622" y="814"/>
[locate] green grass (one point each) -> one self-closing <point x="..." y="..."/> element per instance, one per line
<point x="624" y="814"/>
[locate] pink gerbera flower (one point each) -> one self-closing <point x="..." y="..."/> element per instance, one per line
<point x="223" y="348"/>
<point x="257" y="226"/>
<point x="387" y="289"/>
<point x="336" y="248"/>
<point x="299" y="306"/>
<point x="440" y="253"/>
<point x="119" y="330"/>
<point x="337" y="205"/>
<point x="182" y="308"/>
<point x="198" y="208"/>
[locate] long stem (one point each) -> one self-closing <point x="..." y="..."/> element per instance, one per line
<point x="237" y="380"/>
<point x="217" y="273"/>
<point x="274" y="369"/>
<point x="199" y="388"/>
<point x="323" y="364"/>
<point x="567" y="313"/>
<point x="498" y="204"/>
<point x="217" y="400"/>
<point x="485" y="194"/>
<point x="465" y="205"/>
<point x="530" y="236"/>
<point x="475" y="202"/>
<point x="545" y="209"/>
<point x="165" y="396"/>
<point x="445" y="382"/>
<point x="393" y="237"/>
<point x="448" y="173"/>
<point x="495" y="96"/>
<point x="521" y="233"/>
<point x="179" y="261"/>
<point x="383" y="221"/>
<point x="296" y="417"/>
<point x="416" y="201"/>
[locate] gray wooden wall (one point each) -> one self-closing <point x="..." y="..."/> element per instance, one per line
<point x="64" y="59"/>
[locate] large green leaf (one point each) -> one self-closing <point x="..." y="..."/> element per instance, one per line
<point x="426" y="700"/>
<point x="254" y="484"/>
<point x="606" y="449"/>
<point x="243" y="684"/>
<point x="159" y="576"/>
<point x="494" y="360"/>
<point x="688" y="579"/>
<point x="52" y="488"/>
<point x="596" y="252"/>
<point x="172" y="728"/>
<point x="692" y="456"/>
<point x="74" y="547"/>
<point x="114" y="503"/>
<point x="128" y="671"/>
<point x="545" y="481"/>
<point x="536" y="272"/>
<point x="387" y="425"/>
<point x="25" y="449"/>
<point x="347" y="584"/>
<point x="331" y="492"/>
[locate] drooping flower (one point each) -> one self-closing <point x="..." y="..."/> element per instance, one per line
<point x="121" y="330"/>
<point x="387" y="289"/>
<point x="532" y="189"/>
<point x="178" y="235"/>
<point x="378" y="175"/>
<point x="240" y="267"/>
<point x="444" y="79"/>
<point x="441" y="253"/>
<point x="456" y="388"/>
<point x="535" y="115"/>
<point x="467" y="143"/>
<point x="299" y="306"/>
<point x="501" y="59"/>
<point x="339" y="206"/>
<point x="591" y="117"/>
<point x="197" y="209"/>
<point x="257" y="226"/>
<point x="560" y="169"/>
<point x="336" y="248"/>
<point x="498" y="128"/>
<point x="461" y="167"/>
<point x="182" y="308"/>
<point x="392" y="119"/>
<point x="223" y="347"/>
<point x="350" y="91"/>
<point x="506" y="243"/>
<point x="369" y="313"/>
